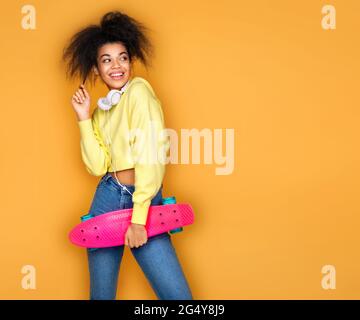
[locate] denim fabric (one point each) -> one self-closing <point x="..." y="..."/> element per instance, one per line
<point x="157" y="258"/>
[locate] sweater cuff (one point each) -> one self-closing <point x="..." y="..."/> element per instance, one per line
<point x="86" y="129"/>
<point x="140" y="213"/>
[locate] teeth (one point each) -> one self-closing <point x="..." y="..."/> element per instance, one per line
<point x="117" y="74"/>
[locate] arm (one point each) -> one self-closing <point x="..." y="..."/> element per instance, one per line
<point x="149" y="149"/>
<point x="94" y="153"/>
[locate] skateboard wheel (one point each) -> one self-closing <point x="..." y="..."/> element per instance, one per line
<point x="86" y="217"/>
<point x="172" y="200"/>
<point x="169" y="200"/>
<point x="176" y="230"/>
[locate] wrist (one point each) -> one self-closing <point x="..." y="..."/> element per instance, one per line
<point x="137" y="225"/>
<point x="81" y="117"/>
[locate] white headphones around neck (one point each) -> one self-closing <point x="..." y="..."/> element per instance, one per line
<point x="112" y="98"/>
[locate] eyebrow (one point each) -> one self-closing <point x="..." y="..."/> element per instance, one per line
<point x="106" y="54"/>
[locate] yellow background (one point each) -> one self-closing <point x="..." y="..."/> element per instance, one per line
<point x="265" y="68"/>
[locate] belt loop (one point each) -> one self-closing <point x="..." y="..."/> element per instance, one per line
<point x="107" y="176"/>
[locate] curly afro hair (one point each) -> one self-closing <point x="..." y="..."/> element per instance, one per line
<point x="81" y="53"/>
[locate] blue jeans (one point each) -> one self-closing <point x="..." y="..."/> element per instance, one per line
<point x="157" y="258"/>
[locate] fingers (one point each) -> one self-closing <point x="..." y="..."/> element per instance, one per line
<point x="76" y="99"/>
<point x="126" y="240"/>
<point x="81" y="94"/>
<point x="143" y="242"/>
<point x="86" y="94"/>
<point x="134" y="242"/>
<point x="134" y="239"/>
<point x="131" y="242"/>
<point x="140" y="242"/>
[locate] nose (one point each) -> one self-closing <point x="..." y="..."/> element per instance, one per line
<point x="115" y="63"/>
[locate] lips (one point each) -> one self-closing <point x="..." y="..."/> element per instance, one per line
<point x="117" y="75"/>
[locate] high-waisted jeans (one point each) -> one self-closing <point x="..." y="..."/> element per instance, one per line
<point x="157" y="257"/>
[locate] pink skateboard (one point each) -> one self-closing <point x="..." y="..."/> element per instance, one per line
<point x="108" y="229"/>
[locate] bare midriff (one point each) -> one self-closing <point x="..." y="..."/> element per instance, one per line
<point x="126" y="176"/>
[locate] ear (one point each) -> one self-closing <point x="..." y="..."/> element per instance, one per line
<point x="96" y="71"/>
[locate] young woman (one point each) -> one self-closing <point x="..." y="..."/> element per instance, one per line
<point x="109" y="150"/>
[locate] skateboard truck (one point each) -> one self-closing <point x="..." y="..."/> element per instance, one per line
<point x="171" y="200"/>
<point x="84" y="218"/>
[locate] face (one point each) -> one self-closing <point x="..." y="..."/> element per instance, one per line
<point x="114" y="65"/>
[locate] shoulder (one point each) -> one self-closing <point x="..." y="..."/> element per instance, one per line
<point x="140" y="88"/>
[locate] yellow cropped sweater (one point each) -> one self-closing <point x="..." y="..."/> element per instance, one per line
<point x="136" y="129"/>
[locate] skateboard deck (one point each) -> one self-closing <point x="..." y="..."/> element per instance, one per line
<point x="108" y="229"/>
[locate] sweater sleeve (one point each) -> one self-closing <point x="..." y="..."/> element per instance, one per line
<point x="149" y="146"/>
<point x="94" y="153"/>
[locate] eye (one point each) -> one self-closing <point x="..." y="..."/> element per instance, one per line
<point x="106" y="60"/>
<point x="124" y="58"/>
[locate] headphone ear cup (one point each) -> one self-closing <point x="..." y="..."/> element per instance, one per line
<point x="104" y="104"/>
<point x="113" y="97"/>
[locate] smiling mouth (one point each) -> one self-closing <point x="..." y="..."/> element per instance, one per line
<point x="117" y="75"/>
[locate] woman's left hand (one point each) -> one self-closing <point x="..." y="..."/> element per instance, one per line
<point x="135" y="235"/>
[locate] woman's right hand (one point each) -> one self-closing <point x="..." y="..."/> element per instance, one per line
<point x="81" y="103"/>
